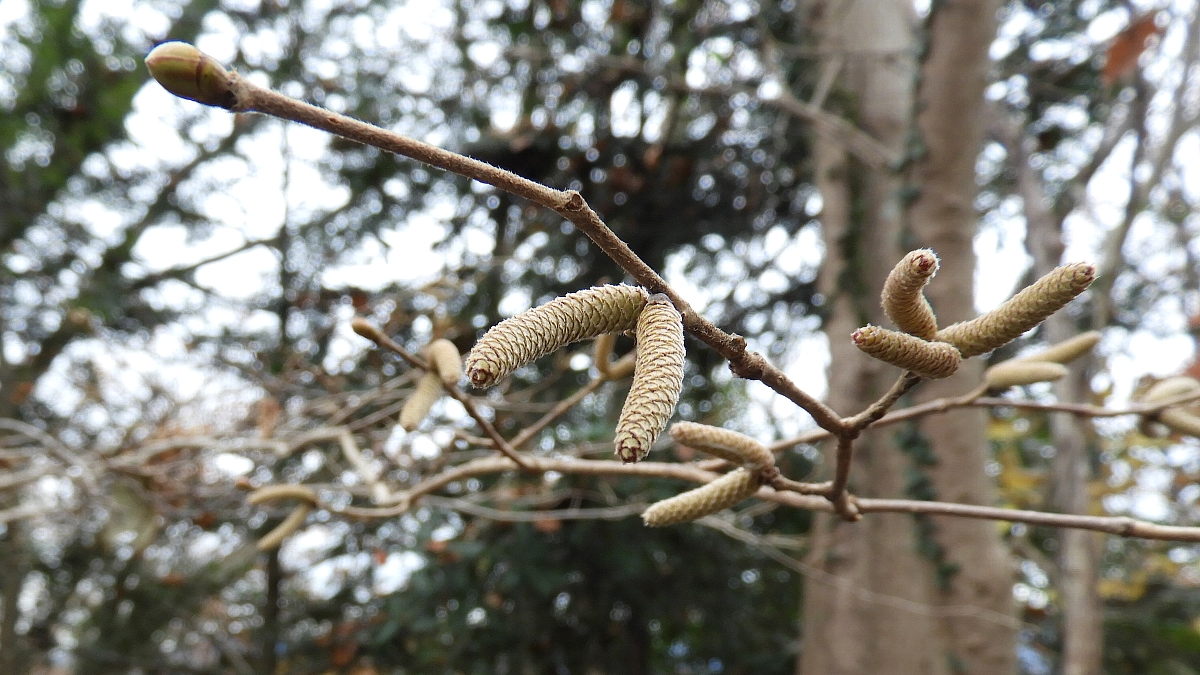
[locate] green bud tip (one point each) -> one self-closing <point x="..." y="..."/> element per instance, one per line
<point x="189" y="73"/>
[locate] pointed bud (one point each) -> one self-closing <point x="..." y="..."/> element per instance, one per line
<point x="428" y="391"/>
<point x="1018" y="373"/>
<point x="515" y="342"/>
<point x="189" y="73"/>
<point x="728" y="445"/>
<point x="903" y="300"/>
<point x="657" y="379"/>
<point x="1022" y="312"/>
<point x="718" y="495"/>
<point x="927" y="359"/>
<point x="1068" y="350"/>
<point x="445" y="360"/>
<point x="287" y="528"/>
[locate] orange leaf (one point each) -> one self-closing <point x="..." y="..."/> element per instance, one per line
<point x="1125" y="49"/>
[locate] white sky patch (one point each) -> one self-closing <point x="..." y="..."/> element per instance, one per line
<point x="396" y="570"/>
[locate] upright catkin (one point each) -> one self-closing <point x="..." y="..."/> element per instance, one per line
<point x="1018" y="373"/>
<point x="657" y="379"/>
<point x="1022" y="312"/>
<point x="927" y="359"/>
<point x="705" y="500"/>
<point x="903" y="299"/>
<point x="445" y="360"/>
<point x="426" y="393"/>
<point x="724" y="443"/>
<point x="514" y="342"/>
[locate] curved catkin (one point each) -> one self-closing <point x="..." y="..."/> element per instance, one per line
<point x="515" y="342"/>
<point x="1021" y="313"/>
<point x="273" y="493"/>
<point x="1018" y="373"/>
<point x="657" y="379"/>
<point x="1068" y="350"/>
<point x="728" y="445"/>
<point x="603" y="347"/>
<point x="427" y="392"/>
<point x="927" y="359"/>
<point x="622" y="367"/>
<point x="1180" y="421"/>
<point x="446" y="361"/>
<point x="285" y="529"/>
<point x="705" y="500"/>
<point x="903" y="301"/>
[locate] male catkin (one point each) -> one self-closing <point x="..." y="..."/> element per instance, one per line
<point x="514" y="342"/>
<point x="445" y="360"/>
<point x="1020" y="313"/>
<point x="728" y="445"/>
<point x="1067" y="350"/>
<point x="903" y="300"/>
<point x="927" y="359"/>
<point x="1018" y="373"/>
<point x="716" y="496"/>
<point x="427" y="392"/>
<point x="657" y="379"/>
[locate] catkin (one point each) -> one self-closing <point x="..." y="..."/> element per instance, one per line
<point x="1067" y="350"/>
<point x="273" y="493"/>
<point x="927" y="359"/>
<point x="1180" y="421"/>
<point x="716" y="496"/>
<point x="515" y="342"/>
<point x="657" y="379"/>
<point x="622" y="367"/>
<point x="1172" y="387"/>
<point x="1021" y="313"/>
<point x="285" y="529"/>
<point x="728" y="445"/>
<point x="603" y="352"/>
<point x="903" y="300"/>
<point x="444" y="358"/>
<point x="427" y="392"/>
<point x="1018" y="373"/>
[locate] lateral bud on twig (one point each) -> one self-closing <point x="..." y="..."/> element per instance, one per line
<point x="903" y="299"/>
<point x="928" y="359"/>
<point x="718" y="495"/>
<point x="189" y="73"/>
<point x="657" y="379"/>
<point x="514" y="342"/>
<point x="1018" y="373"/>
<point x="724" y="443"/>
<point x="427" y="392"/>
<point x="1022" y="312"/>
<point x="1067" y="350"/>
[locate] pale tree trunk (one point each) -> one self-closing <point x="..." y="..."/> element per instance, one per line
<point x="891" y="616"/>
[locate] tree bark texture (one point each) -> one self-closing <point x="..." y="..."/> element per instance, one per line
<point x="961" y="619"/>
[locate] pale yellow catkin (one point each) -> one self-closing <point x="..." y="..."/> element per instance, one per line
<point x="285" y="529"/>
<point x="1068" y="350"/>
<point x="515" y="342"/>
<point x="724" y="443"/>
<point x="1170" y="388"/>
<point x="1018" y="373"/>
<point x="622" y="367"/>
<point x="927" y="359"/>
<point x="1021" y="313"/>
<point x="716" y="496"/>
<point x="1156" y="425"/>
<point x="902" y="298"/>
<point x="273" y="493"/>
<point x="1180" y="421"/>
<point x="444" y="358"/>
<point x="657" y="379"/>
<point x="603" y="349"/>
<point x="426" y="393"/>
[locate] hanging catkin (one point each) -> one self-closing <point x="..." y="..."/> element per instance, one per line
<point x="1022" y="312"/>
<point x="657" y="379"/>
<point x="728" y="445"/>
<point x="445" y="360"/>
<point x="515" y="342"/>
<point x="927" y="359"/>
<point x="903" y="299"/>
<point x="1018" y="373"/>
<point x="426" y="393"/>
<point x="716" y="496"/>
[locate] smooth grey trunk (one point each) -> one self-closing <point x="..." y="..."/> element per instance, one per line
<point x="968" y="625"/>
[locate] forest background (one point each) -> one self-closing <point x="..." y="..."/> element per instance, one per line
<point x="177" y="285"/>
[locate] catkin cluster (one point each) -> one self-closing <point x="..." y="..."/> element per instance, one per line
<point x="1045" y="366"/>
<point x="705" y="500"/>
<point x="445" y="368"/>
<point x="657" y="379"/>
<point x="515" y="342"/>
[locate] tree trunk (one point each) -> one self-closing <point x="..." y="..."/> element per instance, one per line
<point x="905" y="611"/>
